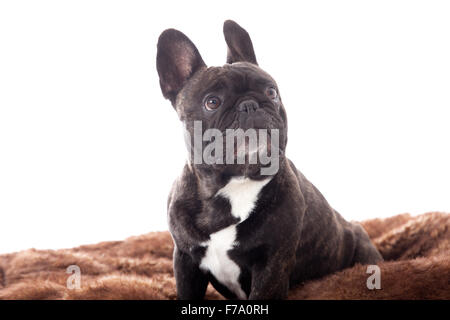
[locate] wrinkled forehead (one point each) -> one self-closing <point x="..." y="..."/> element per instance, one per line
<point x="239" y="76"/>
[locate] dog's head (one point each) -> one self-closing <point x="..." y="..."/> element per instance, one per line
<point x="216" y="101"/>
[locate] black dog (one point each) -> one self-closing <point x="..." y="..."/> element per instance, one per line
<point x="252" y="235"/>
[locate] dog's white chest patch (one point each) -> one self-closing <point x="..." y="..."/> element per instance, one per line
<point x="242" y="194"/>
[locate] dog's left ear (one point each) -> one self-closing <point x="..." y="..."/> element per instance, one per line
<point x="240" y="47"/>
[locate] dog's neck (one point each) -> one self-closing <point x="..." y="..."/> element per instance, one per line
<point x="210" y="182"/>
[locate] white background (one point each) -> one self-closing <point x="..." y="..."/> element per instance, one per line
<point x="89" y="148"/>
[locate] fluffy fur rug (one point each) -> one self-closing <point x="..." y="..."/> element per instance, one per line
<point x="416" y="252"/>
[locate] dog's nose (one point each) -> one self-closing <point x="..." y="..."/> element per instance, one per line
<point x="248" y="106"/>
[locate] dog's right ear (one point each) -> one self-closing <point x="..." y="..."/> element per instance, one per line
<point x="176" y="61"/>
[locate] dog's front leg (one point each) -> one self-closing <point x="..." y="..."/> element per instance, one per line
<point x="272" y="281"/>
<point x="191" y="282"/>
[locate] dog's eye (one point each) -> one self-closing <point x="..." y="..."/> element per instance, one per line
<point x="212" y="103"/>
<point x="271" y="93"/>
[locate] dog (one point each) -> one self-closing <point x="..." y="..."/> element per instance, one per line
<point x="252" y="234"/>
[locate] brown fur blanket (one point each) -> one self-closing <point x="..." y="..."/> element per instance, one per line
<point x="416" y="252"/>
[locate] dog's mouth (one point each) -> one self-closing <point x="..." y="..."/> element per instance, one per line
<point x="252" y="146"/>
<point x="240" y="144"/>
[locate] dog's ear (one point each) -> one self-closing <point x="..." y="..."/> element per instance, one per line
<point x="240" y="47"/>
<point x="177" y="60"/>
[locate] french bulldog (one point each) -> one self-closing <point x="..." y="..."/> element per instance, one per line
<point x="251" y="234"/>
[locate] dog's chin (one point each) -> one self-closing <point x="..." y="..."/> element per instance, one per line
<point x="246" y="163"/>
<point x="247" y="170"/>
